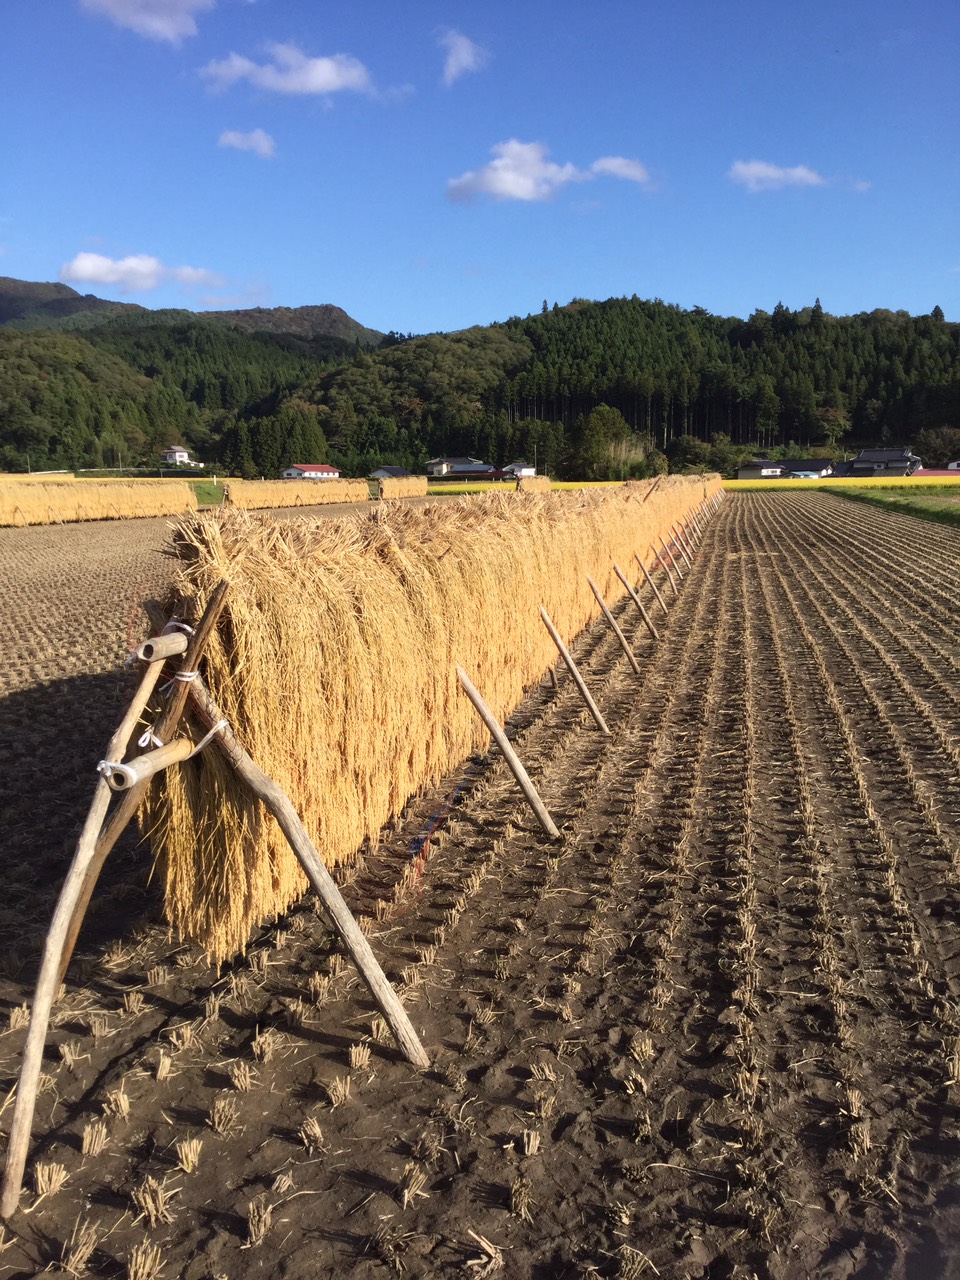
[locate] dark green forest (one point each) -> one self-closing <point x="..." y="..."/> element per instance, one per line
<point x="589" y="390"/>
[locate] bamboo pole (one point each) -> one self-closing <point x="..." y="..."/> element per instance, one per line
<point x="666" y="568"/>
<point x="651" y="489"/>
<point x="654" y="634"/>
<point x="686" y="540"/>
<point x="165" y="645"/>
<point x="511" y="757"/>
<point x="656" y="590"/>
<point x="624" y="642"/>
<point x="122" y="777"/>
<point x="577" y="677"/>
<point x="48" y="981"/>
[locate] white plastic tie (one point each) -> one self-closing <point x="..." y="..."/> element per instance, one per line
<point x="222" y="724"/>
<point x="175" y="625"/>
<point x="149" y="739"/>
<point x="185" y="677"/>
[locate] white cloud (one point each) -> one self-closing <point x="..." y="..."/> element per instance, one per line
<point x="137" y="273"/>
<point x="462" y="55"/>
<point x="156" y="19"/>
<point x="621" y="167"/>
<point x="257" y="140"/>
<point x="522" y="171"/>
<point x="291" y="71"/>
<point x="758" y="175"/>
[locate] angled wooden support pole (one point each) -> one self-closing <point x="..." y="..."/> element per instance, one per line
<point x="662" y="562"/>
<point x="651" y="583"/>
<point x="276" y="800"/>
<point x="615" y="626"/>
<point x="651" y="489"/>
<point x="96" y="840"/>
<point x="631" y="592"/>
<point x="511" y="757"/>
<point x="48" y="981"/>
<point x="687" y="537"/>
<point x="279" y="804"/>
<point x="671" y="556"/>
<point x="680" y="543"/>
<point x="164" y="730"/>
<point x="574" y="671"/>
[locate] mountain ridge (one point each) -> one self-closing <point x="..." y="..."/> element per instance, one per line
<point x="28" y="304"/>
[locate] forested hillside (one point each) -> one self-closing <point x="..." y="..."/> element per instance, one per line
<point x="675" y="378"/>
<point x="589" y="389"/>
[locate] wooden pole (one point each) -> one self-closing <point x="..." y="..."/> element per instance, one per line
<point x="686" y="540"/>
<point x="669" y="552"/>
<point x="279" y="804"/>
<point x="666" y="568"/>
<point x="511" y="757"/>
<point x="130" y="802"/>
<point x="650" y="581"/>
<point x="122" y="777"/>
<point x="48" y="981"/>
<point x="624" y="642"/>
<point x="577" y="677"/>
<point x="654" y="634"/>
<point x="651" y="489"/>
<point x="678" y="542"/>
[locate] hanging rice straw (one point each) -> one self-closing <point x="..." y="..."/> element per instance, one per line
<point x="336" y="659"/>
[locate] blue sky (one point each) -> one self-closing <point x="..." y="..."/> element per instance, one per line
<point x="428" y="166"/>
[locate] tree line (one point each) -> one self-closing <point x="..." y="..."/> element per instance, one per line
<point x="592" y="389"/>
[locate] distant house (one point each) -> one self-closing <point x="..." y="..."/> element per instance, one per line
<point x="175" y="455"/>
<point x="761" y="469"/>
<point x="461" y="469"/>
<point x="809" y="468"/>
<point x="880" y="462"/>
<point x="953" y="466"/>
<point x="389" y="473"/>
<point x="520" y="469"/>
<point x="311" y="471"/>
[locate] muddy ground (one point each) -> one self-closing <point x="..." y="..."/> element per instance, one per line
<point x="713" y="1032"/>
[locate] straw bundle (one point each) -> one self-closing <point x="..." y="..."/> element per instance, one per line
<point x="335" y="665"/>
<point x="404" y="486"/>
<point x="534" y="484"/>
<point x="63" y="502"/>
<point x="252" y="495"/>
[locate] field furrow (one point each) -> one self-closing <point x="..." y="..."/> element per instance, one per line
<point x="713" y="1031"/>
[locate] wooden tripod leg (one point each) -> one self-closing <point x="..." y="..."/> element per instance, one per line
<point x="279" y="804"/>
<point x="130" y="803"/>
<point x="57" y="940"/>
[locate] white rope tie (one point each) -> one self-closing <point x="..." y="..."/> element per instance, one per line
<point x="185" y="677"/>
<point x="175" y="625"/>
<point x="212" y="734"/>
<point x="107" y="768"/>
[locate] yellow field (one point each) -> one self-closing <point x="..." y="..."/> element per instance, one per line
<point x="871" y="482"/>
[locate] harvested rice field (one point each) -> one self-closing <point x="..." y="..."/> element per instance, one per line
<point x="713" y="1032"/>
